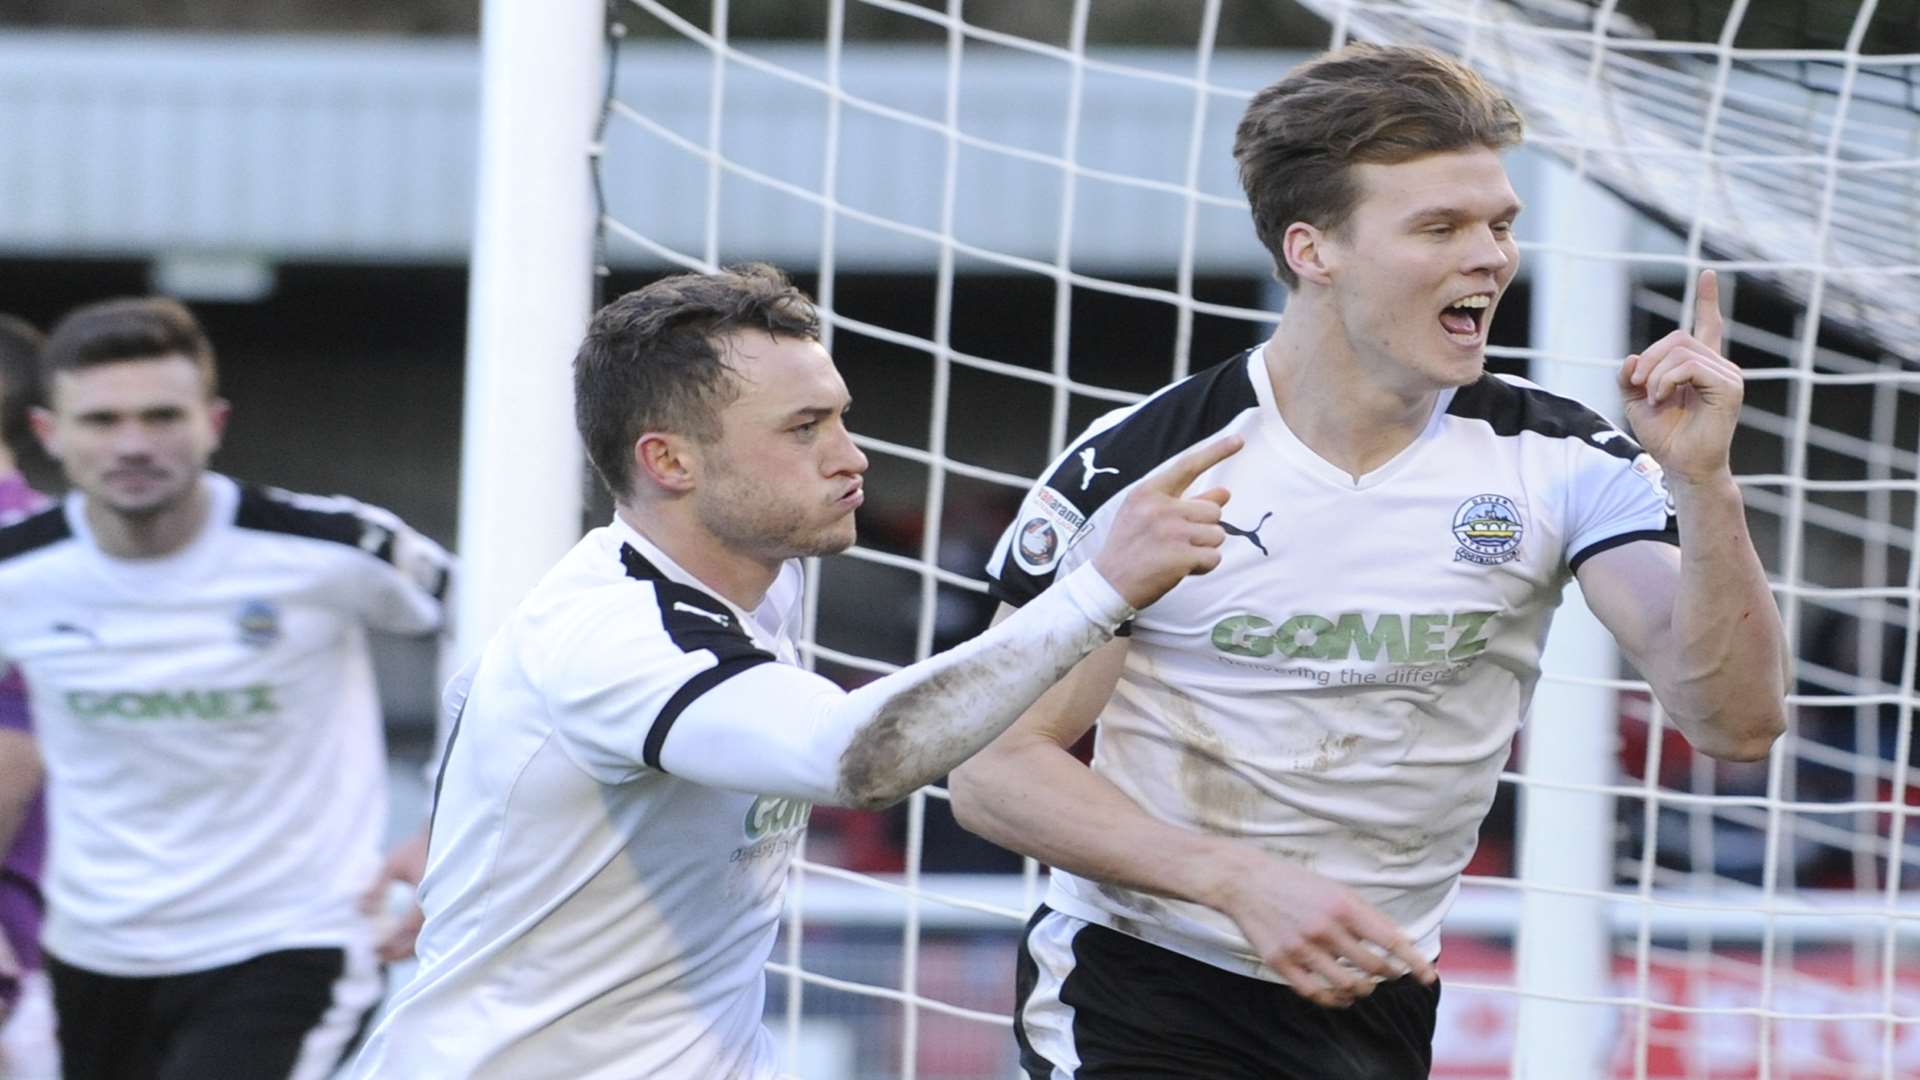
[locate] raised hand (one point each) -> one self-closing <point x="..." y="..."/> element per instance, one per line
<point x="1328" y="944"/>
<point x="1683" y="397"/>
<point x="1160" y="534"/>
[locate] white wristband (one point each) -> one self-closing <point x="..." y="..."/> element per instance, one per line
<point x="1096" y="598"/>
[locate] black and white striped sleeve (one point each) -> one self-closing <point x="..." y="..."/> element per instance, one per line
<point x="1058" y="526"/>
<point x="778" y="730"/>
<point x="1618" y="495"/>
<point x="660" y="677"/>
<point x="1611" y="491"/>
<point x="700" y="628"/>
<point x="393" y="577"/>
<point x="620" y="666"/>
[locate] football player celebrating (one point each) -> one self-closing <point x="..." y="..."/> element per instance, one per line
<point x="1295" y="753"/>
<point x="637" y="749"/>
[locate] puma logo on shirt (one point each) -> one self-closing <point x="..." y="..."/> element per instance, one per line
<point x="710" y="616"/>
<point x="1090" y="471"/>
<point x="1252" y="535"/>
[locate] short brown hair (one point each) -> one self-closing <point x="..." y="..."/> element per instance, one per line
<point x="129" y="328"/>
<point x="1364" y="104"/>
<point x="20" y="345"/>
<point x="654" y="359"/>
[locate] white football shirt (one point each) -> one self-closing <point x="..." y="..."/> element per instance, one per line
<point x="589" y="914"/>
<point x="215" y="758"/>
<point x="1343" y="690"/>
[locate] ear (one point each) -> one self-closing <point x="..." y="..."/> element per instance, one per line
<point x="218" y="411"/>
<point x="666" y="460"/>
<point x="40" y="419"/>
<point x="1304" y="249"/>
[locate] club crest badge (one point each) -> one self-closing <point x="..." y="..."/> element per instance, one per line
<point x="1489" y="530"/>
<point x="259" y="624"/>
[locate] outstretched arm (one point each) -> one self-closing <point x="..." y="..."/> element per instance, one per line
<point x="1700" y="624"/>
<point x="879" y="744"/>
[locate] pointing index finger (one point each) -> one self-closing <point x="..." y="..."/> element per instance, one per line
<point x="1177" y="477"/>
<point x="1708" y="327"/>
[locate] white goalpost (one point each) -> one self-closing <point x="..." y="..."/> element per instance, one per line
<point x="1014" y="219"/>
<point x="527" y="304"/>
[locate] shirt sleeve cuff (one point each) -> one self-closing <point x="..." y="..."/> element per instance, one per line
<point x="1096" y="598"/>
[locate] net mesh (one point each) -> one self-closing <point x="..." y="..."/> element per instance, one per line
<point x="1015" y="216"/>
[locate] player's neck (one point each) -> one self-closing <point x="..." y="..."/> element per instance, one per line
<point x="739" y="578"/>
<point x="8" y="466"/>
<point x="1351" y="413"/>
<point x="149" y="535"/>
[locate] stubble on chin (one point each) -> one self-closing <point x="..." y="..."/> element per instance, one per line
<point x="831" y="540"/>
<point x="775" y="537"/>
<point x="841" y="540"/>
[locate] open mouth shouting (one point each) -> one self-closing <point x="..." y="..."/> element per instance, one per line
<point x="1465" y="320"/>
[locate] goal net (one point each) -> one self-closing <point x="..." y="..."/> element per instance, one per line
<point x="1017" y="215"/>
